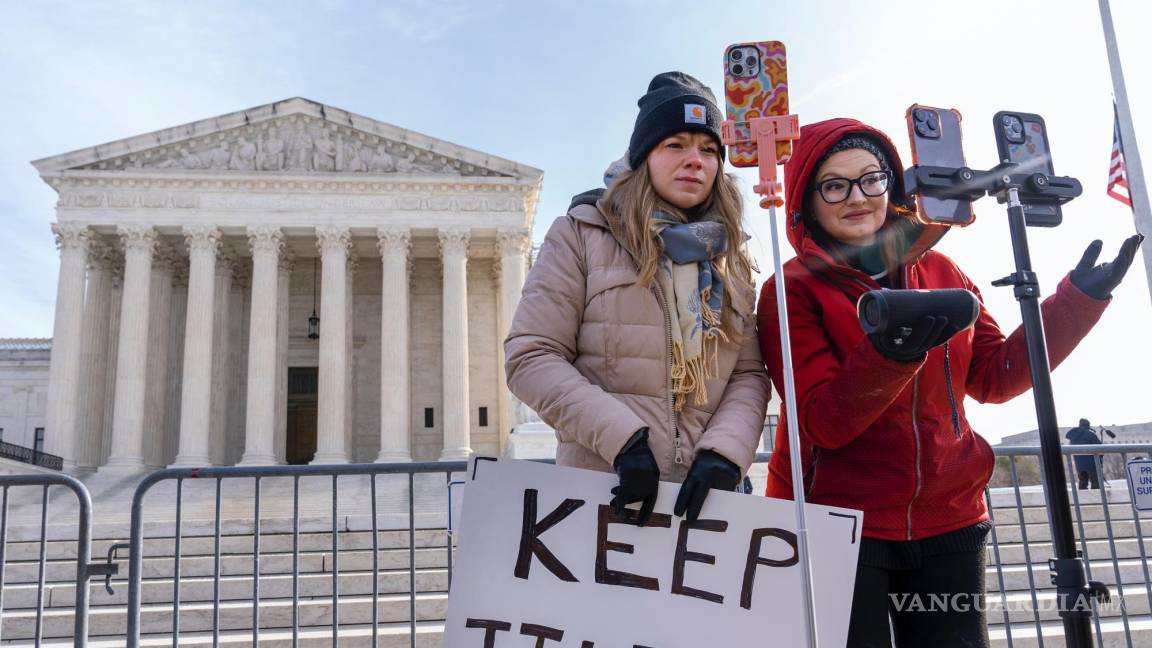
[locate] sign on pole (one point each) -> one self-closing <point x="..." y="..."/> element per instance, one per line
<point x="544" y="561"/>
<point x="1140" y="483"/>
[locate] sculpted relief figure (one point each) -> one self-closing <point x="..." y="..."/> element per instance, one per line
<point x="300" y="151"/>
<point x="243" y="156"/>
<point x="218" y="157"/>
<point x="353" y="163"/>
<point x="271" y="156"/>
<point x="381" y="161"/>
<point x="324" y="153"/>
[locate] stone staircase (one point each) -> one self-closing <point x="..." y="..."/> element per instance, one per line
<point x="1022" y="591"/>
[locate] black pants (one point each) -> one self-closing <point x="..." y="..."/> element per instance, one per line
<point x="1086" y="476"/>
<point x="939" y="605"/>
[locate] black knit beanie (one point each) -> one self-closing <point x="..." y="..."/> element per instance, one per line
<point x="675" y="102"/>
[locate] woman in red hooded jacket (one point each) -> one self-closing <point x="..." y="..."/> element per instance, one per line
<point x="885" y="432"/>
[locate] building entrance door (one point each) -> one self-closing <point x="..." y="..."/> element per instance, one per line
<point x="301" y="446"/>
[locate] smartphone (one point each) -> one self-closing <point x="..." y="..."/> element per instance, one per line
<point x="755" y="85"/>
<point x="936" y="141"/>
<point x="1022" y="138"/>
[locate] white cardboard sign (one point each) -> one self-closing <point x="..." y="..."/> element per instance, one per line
<point x="544" y="562"/>
<point x="1140" y="483"/>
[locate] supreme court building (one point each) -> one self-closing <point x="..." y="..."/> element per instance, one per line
<point x="192" y="260"/>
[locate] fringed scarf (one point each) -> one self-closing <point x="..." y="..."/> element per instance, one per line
<point x="693" y="293"/>
<point x="694" y="296"/>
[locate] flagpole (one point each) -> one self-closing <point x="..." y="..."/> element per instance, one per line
<point x="1134" y="171"/>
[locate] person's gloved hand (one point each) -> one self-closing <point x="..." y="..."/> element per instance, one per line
<point x="911" y="343"/>
<point x="639" y="477"/>
<point x="709" y="470"/>
<point x="1098" y="281"/>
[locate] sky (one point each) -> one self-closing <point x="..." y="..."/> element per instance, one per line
<point x="554" y="85"/>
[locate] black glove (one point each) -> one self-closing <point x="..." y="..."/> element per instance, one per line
<point x="639" y="477"/>
<point x="709" y="470"/>
<point x="1098" y="281"/>
<point x="911" y="343"/>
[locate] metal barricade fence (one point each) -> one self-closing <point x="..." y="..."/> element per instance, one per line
<point x="33" y="608"/>
<point x="1022" y="607"/>
<point x="339" y="475"/>
<point x="1021" y="602"/>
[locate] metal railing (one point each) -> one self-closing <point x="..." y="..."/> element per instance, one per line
<point x="83" y="539"/>
<point x="30" y="456"/>
<point x="1021" y="600"/>
<point x="295" y="473"/>
<point x="1101" y="518"/>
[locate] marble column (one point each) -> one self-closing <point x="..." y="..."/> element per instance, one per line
<point x="221" y="351"/>
<point x="156" y="392"/>
<point x="394" y="244"/>
<point x="64" y="370"/>
<point x="283" y="302"/>
<point x="199" y="330"/>
<point x="350" y="362"/>
<point x="109" y="387"/>
<point x="457" y="423"/>
<point x="260" y="418"/>
<point x="177" y="321"/>
<point x="333" y="243"/>
<point x="94" y="356"/>
<point x="127" y="452"/>
<point x="512" y="247"/>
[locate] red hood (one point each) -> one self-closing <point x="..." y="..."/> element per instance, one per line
<point x="814" y="140"/>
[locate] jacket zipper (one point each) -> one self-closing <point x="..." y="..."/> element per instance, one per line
<point x="916" y="435"/>
<point x="678" y="456"/>
<point x="951" y="393"/>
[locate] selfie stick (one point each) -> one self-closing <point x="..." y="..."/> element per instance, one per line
<point x="1074" y="592"/>
<point x="766" y="131"/>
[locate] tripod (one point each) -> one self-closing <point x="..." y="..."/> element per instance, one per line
<point x="1074" y="592"/>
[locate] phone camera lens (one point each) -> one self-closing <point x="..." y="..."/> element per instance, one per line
<point x="737" y="69"/>
<point x="920" y="115"/>
<point x="750" y="61"/>
<point x="737" y="54"/>
<point x="933" y="121"/>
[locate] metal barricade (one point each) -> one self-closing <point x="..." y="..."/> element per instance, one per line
<point x="227" y="478"/>
<point x="1021" y="601"/>
<point x="83" y="538"/>
<point x="1110" y="535"/>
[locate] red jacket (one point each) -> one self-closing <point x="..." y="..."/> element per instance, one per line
<point x="887" y="437"/>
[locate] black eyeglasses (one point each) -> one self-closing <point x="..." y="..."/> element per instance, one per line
<point x="836" y="190"/>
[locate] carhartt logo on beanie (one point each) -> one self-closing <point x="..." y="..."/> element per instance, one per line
<point x="675" y="102"/>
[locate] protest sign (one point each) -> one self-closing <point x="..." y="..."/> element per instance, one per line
<point x="544" y="562"/>
<point x="1140" y="484"/>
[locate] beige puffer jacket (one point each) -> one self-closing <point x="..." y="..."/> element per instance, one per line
<point x="590" y="351"/>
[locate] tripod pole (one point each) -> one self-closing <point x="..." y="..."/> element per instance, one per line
<point x="802" y="545"/>
<point x="1068" y="569"/>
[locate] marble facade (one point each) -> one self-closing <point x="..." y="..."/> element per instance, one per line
<point x="191" y="259"/>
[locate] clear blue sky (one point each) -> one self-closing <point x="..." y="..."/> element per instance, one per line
<point x="554" y="85"/>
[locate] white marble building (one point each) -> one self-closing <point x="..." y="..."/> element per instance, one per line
<point x="191" y="259"/>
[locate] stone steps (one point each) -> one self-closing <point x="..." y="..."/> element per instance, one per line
<point x="391" y="635"/>
<point x="192" y="589"/>
<point x="233" y="615"/>
<point x="234" y="544"/>
<point x="242" y="564"/>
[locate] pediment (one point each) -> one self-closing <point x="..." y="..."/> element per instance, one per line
<point x="291" y="137"/>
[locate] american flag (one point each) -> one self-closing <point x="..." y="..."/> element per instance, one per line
<point x="1117" y="182"/>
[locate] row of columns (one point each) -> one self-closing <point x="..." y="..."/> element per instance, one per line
<point x="80" y="349"/>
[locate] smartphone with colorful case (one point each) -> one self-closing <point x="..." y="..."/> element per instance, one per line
<point x="1021" y="138"/>
<point x="936" y="140"/>
<point x="755" y="85"/>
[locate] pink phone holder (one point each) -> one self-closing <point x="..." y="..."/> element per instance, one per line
<point x="765" y="132"/>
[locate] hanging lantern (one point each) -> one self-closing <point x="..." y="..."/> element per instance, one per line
<point x="313" y="321"/>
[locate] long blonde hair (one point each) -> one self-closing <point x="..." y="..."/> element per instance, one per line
<point x="631" y="201"/>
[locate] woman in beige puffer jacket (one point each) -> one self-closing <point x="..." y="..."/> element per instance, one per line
<point x="641" y="356"/>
